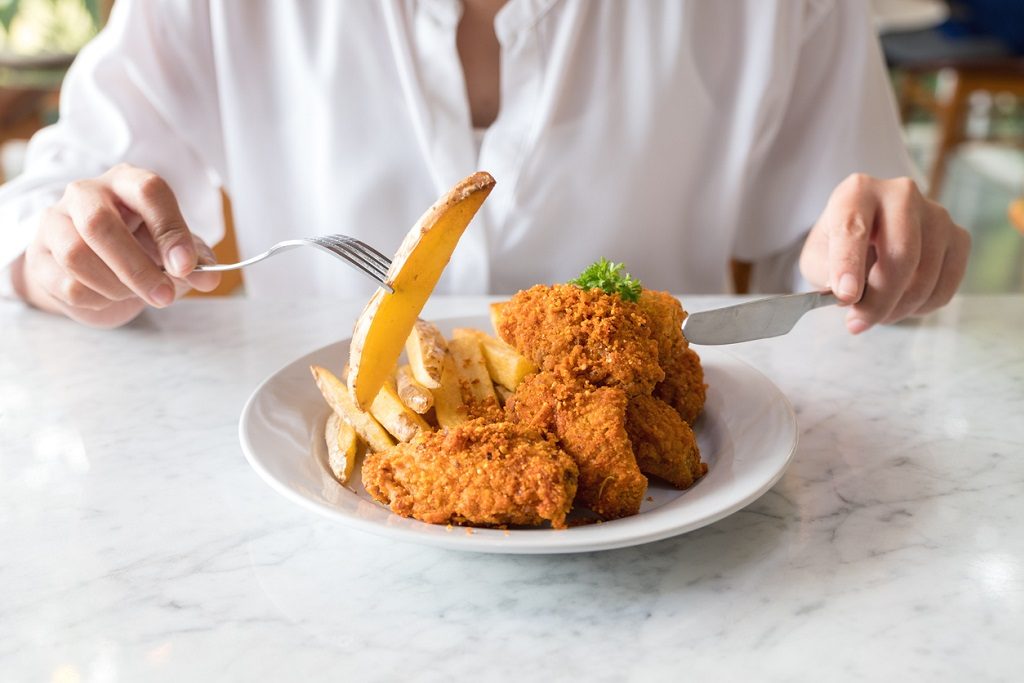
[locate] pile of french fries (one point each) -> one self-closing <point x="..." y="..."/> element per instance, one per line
<point x="429" y="391"/>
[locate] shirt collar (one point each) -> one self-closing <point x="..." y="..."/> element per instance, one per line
<point x="515" y="17"/>
<point x="518" y="16"/>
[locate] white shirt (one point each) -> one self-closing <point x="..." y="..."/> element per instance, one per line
<point x="672" y="135"/>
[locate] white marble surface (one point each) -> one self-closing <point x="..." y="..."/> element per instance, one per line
<point x="137" y="545"/>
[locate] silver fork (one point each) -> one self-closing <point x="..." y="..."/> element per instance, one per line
<point x="360" y="255"/>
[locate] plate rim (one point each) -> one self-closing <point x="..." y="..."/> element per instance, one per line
<point x="585" y="538"/>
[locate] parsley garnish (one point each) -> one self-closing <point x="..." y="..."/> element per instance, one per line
<point x="608" y="276"/>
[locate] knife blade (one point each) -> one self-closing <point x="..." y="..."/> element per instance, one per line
<point x="771" y="317"/>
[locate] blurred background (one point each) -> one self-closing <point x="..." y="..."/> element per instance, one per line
<point x="957" y="68"/>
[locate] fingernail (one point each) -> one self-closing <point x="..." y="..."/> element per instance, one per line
<point x="162" y="295"/>
<point x="856" y="325"/>
<point x="181" y="259"/>
<point x="847" y="286"/>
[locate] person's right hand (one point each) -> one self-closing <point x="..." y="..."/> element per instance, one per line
<point x="98" y="252"/>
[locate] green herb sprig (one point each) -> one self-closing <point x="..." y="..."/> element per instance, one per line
<point x="608" y="276"/>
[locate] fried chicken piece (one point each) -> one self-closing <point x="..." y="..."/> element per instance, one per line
<point x="683" y="387"/>
<point x="663" y="443"/>
<point x="665" y="316"/>
<point x="479" y="473"/>
<point x="586" y="334"/>
<point x="590" y="423"/>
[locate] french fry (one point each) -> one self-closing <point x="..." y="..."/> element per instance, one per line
<point x="470" y="366"/>
<point x="391" y="413"/>
<point x="338" y="397"/>
<point x="495" y="310"/>
<point x="341" y="447"/>
<point x="426" y="348"/>
<point x="448" y="405"/>
<point x="505" y="365"/>
<point x="385" y="323"/>
<point x="412" y="393"/>
<point x="395" y="416"/>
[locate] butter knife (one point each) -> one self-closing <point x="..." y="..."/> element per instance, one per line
<point x="771" y="317"/>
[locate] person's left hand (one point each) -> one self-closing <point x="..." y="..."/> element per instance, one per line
<point x="885" y="251"/>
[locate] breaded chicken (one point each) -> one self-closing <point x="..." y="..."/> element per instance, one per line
<point x="480" y="473"/>
<point x="590" y="423"/>
<point x="683" y="387"/>
<point x="665" y="316"/>
<point x="663" y="443"/>
<point x="585" y="334"/>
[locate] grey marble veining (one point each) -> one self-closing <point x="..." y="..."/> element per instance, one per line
<point x="138" y="545"/>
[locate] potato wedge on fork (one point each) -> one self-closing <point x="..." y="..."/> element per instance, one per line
<point x="384" y="325"/>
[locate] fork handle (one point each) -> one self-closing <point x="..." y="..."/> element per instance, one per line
<point x="221" y="267"/>
<point x="218" y="267"/>
<point x="215" y="267"/>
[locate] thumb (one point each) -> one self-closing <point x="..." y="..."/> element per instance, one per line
<point x="204" y="281"/>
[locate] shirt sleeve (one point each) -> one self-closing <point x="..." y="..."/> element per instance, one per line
<point x="838" y="116"/>
<point x="143" y="92"/>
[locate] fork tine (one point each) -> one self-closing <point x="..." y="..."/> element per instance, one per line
<point x="368" y="260"/>
<point x="362" y="266"/>
<point x="364" y="248"/>
<point x="342" y="250"/>
<point x="378" y="268"/>
<point x="382" y="257"/>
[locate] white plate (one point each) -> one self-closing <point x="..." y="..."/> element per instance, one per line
<point x="747" y="435"/>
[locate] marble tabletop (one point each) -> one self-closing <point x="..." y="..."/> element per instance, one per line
<point x="136" y="544"/>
